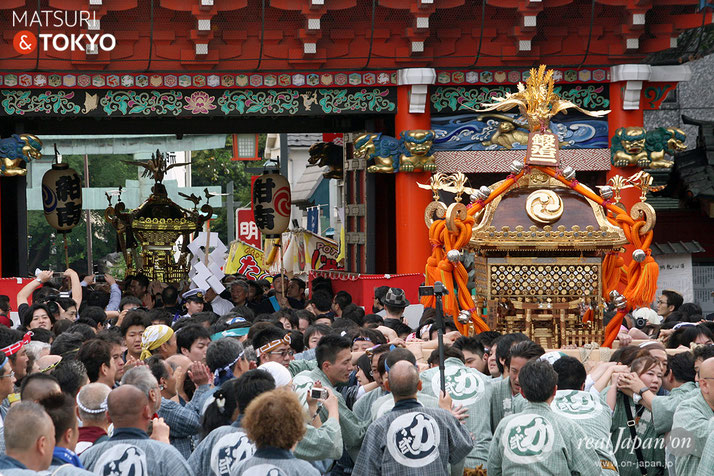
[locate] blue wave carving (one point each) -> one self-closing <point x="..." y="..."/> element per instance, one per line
<point x="467" y="132"/>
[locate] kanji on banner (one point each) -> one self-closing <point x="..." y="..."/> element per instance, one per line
<point x="246" y="229"/>
<point x="245" y="259"/>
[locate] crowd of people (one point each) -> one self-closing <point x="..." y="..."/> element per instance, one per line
<point x="142" y="378"/>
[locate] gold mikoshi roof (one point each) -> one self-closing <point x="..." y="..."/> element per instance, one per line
<point x="539" y="213"/>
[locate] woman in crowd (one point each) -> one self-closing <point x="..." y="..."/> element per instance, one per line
<point x="275" y="422"/>
<point x="630" y="397"/>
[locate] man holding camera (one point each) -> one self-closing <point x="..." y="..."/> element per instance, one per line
<point x="334" y="360"/>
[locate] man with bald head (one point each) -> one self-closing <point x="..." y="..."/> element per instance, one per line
<point x="92" y="411"/>
<point x="412" y="439"/>
<point x="129" y="450"/>
<point x="695" y="419"/>
<point x="30" y="435"/>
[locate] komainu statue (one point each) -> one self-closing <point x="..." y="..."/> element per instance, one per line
<point x="417" y="155"/>
<point x="412" y="152"/>
<point x="634" y="146"/>
<point x="17" y="149"/>
<point x="383" y="150"/>
<point x="327" y="154"/>
<point x="663" y="141"/>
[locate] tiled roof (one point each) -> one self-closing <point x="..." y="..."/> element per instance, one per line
<point x="306" y="185"/>
<point x="676" y="247"/>
<point x="696" y="174"/>
<point x="303" y="140"/>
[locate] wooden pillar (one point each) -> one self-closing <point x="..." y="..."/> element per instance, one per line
<point x="412" y="237"/>
<point x="626" y="111"/>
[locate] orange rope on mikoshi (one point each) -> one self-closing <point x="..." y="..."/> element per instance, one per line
<point x="613" y="328"/>
<point x="641" y="277"/>
<point x="453" y="274"/>
<point x="611" y="272"/>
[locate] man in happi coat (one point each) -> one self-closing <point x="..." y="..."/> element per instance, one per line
<point x="30" y="436"/>
<point x="506" y="392"/>
<point x="129" y="450"/>
<point x="226" y="446"/>
<point x="539" y="441"/>
<point x="385" y="403"/>
<point x="586" y="409"/>
<point x="469" y="388"/>
<point x="706" y="464"/>
<point x="694" y="419"/>
<point x="412" y="439"/>
<point x="334" y="365"/>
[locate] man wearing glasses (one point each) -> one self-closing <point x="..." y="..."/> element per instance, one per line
<point x="7" y="383"/>
<point x="668" y="302"/>
<point x="273" y="345"/>
<point x="694" y="419"/>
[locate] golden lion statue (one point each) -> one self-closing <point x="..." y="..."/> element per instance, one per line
<point x="412" y="152"/>
<point x="634" y="146"/>
<point x="417" y="155"/>
<point x="17" y="149"/>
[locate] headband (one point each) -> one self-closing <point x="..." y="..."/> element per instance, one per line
<point x="243" y="331"/>
<point x="235" y="320"/>
<point x="273" y="344"/>
<point x="4" y="361"/>
<point x="102" y="407"/>
<point x="218" y="380"/>
<point x="153" y="338"/>
<point x="362" y="338"/>
<point x="12" y="349"/>
<point x="386" y="367"/>
<point x="50" y="367"/>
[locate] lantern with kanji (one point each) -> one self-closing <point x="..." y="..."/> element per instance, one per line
<point x="62" y="197"/>
<point x="271" y="204"/>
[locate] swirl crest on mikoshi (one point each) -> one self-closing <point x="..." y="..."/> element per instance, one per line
<point x="544" y="206"/>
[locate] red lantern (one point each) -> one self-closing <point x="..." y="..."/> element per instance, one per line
<point x="271" y="204"/>
<point x="62" y="197"/>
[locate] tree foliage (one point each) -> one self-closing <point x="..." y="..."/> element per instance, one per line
<point x="209" y="168"/>
<point x="215" y="167"/>
<point x="46" y="245"/>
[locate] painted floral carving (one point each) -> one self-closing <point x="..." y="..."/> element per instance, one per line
<point x="459" y="98"/>
<point x="199" y="102"/>
<point x="142" y="102"/>
<point x="151" y="103"/>
<point x="23" y="102"/>
<point x="341" y="100"/>
<point x="261" y="102"/>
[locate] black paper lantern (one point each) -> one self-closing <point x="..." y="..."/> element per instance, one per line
<point x="271" y="204"/>
<point x="62" y="197"/>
